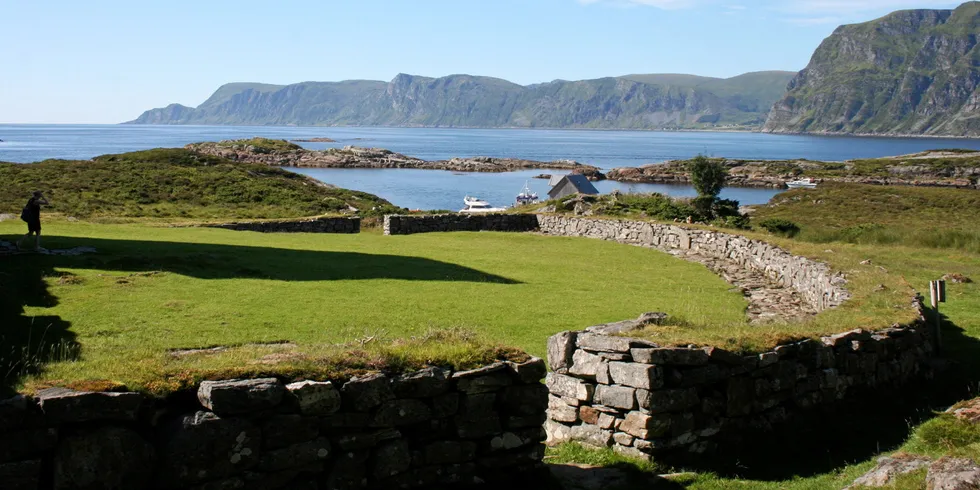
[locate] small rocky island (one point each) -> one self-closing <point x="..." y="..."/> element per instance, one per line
<point x="937" y="168"/>
<point x="282" y="153"/>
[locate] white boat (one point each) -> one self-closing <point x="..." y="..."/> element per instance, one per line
<point x="475" y="205"/>
<point x="526" y="196"/>
<point x="806" y="183"/>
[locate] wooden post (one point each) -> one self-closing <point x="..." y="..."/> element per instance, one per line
<point x="937" y="294"/>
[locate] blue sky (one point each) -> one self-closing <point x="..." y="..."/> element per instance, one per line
<point x="105" y="61"/>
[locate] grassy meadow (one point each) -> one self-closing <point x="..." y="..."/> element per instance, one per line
<point x="286" y="303"/>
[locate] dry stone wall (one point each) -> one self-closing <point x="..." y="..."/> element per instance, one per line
<point x="410" y="225"/>
<point x="310" y="225"/>
<point x="429" y="429"/>
<point x="819" y="286"/>
<point x="610" y="390"/>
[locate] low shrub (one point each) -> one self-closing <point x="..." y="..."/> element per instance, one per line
<point x="780" y="226"/>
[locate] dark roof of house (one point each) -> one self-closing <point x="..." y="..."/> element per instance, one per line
<point x="582" y="184"/>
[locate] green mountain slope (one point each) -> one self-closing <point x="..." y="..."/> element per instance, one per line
<point x="911" y="72"/>
<point x="633" y="102"/>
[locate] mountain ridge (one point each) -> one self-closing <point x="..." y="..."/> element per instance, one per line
<point x="909" y="73"/>
<point x="625" y="102"/>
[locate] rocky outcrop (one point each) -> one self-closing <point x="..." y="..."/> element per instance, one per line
<point x="611" y="389"/>
<point x="908" y="73"/>
<point x="927" y="169"/>
<point x="429" y="429"/>
<point x="356" y="157"/>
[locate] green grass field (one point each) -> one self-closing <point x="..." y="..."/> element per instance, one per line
<point x="282" y="299"/>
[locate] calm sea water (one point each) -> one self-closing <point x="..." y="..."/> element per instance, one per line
<point x="445" y="190"/>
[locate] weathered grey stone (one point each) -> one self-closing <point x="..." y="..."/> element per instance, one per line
<point x="22" y="475"/>
<point x="567" y="386"/>
<point x="636" y="375"/>
<point x="953" y="474"/>
<point x="367" y="392"/>
<point x="643" y="426"/>
<point x="616" y="396"/>
<point x="531" y="371"/>
<point x="285" y="430"/>
<point x="740" y="395"/>
<point x="240" y="396"/>
<point x="489" y="383"/>
<point x="525" y="421"/>
<point x="585" y="364"/>
<point x="427" y="383"/>
<point x="26" y="444"/>
<point x="767" y="359"/>
<point x="623" y="439"/>
<point x="602" y="343"/>
<point x="390" y="459"/>
<point x="557" y="433"/>
<point x="348" y="471"/>
<point x="295" y="456"/>
<point x="445" y="405"/>
<point x="723" y="356"/>
<point x="477" y="416"/>
<point x="668" y="400"/>
<point x="344" y="422"/>
<point x="845" y="339"/>
<point x="64" y="406"/>
<point x="109" y="457"/>
<point x="449" y="452"/>
<point x="590" y="434"/>
<point x="203" y="447"/>
<point x="524" y="399"/>
<point x="365" y="440"/>
<point x="315" y="398"/>
<point x="607" y="421"/>
<point x="234" y="483"/>
<point x="561" y="347"/>
<point x="559" y="411"/>
<point x="602" y="374"/>
<point x="509" y="460"/>
<point x="397" y="413"/>
<point x="671" y="356"/>
<point x="888" y="469"/>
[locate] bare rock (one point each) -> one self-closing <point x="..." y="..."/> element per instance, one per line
<point x="204" y="447"/>
<point x="426" y="383"/>
<point x="953" y="474"/>
<point x="561" y="348"/>
<point x="889" y="468"/>
<point x="63" y="406"/>
<point x="363" y="394"/>
<point x="315" y="398"/>
<point x="240" y="396"/>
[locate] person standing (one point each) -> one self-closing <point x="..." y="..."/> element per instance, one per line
<point x="32" y="215"/>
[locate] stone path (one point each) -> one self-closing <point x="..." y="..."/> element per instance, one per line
<point x="767" y="301"/>
<point x="7" y="248"/>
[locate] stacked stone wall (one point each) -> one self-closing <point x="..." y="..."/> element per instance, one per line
<point x="429" y="429"/>
<point x="815" y="281"/>
<point x="410" y="225"/>
<point x="310" y="225"/>
<point x="610" y="390"/>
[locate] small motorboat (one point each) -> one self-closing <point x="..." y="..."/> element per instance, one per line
<point x="476" y="205"/>
<point x="806" y="183"/>
<point x="526" y="196"/>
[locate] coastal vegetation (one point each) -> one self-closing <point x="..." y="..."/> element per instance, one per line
<point x="178" y="184"/>
<point x="934" y="168"/>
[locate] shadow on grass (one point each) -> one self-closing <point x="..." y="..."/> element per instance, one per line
<point x="216" y="261"/>
<point x="868" y="424"/>
<point x="27" y="343"/>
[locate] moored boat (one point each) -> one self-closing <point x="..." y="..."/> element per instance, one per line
<point x="475" y="205"/>
<point x="806" y="183"/>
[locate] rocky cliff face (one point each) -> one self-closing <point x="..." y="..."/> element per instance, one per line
<point x="913" y="72"/>
<point x="469" y="101"/>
